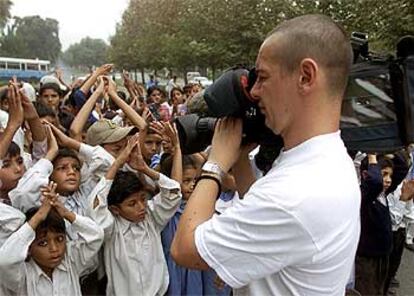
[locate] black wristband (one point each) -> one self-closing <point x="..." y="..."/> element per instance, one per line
<point x="213" y="178"/>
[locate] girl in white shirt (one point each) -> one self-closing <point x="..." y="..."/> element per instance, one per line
<point x="54" y="264"/>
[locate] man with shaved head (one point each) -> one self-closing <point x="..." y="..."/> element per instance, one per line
<point x="296" y="230"/>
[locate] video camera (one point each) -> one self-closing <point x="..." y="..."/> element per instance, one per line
<point x="377" y="111"/>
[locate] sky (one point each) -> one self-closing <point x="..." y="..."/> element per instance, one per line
<point x="77" y="18"/>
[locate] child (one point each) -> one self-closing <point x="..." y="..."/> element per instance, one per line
<point x="183" y="281"/>
<point x="55" y="265"/>
<point x="375" y="243"/>
<point x="134" y="259"/>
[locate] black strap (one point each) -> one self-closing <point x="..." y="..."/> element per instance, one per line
<point x="213" y="178"/>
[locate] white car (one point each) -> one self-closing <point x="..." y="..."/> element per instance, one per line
<point x="203" y="81"/>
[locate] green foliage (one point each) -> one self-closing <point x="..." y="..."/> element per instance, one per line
<point x="87" y="53"/>
<point x="32" y="37"/>
<point x="5" y="6"/>
<point x="181" y="34"/>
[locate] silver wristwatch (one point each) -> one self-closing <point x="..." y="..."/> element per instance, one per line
<point x="213" y="168"/>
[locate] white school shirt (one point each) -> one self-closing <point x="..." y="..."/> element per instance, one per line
<point x="27" y="193"/>
<point x="26" y="278"/>
<point x="402" y="213"/>
<point x="11" y="220"/>
<point x="296" y="230"/>
<point x="133" y="254"/>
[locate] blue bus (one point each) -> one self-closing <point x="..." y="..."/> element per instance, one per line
<point x="23" y="69"/>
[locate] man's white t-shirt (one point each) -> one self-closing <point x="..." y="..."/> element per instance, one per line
<point x="296" y="230"/>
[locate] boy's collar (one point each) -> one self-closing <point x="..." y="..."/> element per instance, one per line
<point x="39" y="272"/>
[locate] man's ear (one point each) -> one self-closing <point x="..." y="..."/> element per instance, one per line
<point x="114" y="209"/>
<point x="308" y="72"/>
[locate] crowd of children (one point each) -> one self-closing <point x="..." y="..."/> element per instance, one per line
<point x="93" y="184"/>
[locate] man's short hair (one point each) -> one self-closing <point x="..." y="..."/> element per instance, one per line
<point x="317" y="37"/>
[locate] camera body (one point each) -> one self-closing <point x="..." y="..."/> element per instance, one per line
<point x="377" y="110"/>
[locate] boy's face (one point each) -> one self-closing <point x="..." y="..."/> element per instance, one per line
<point x="48" y="249"/>
<point x="133" y="208"/>
<point x="50" y="97"/>
<point x="152" y="146"/>
<point x="189" y="178"/>
<point x="66" y="173"/>
<point x="11" y="172"/>
<point x="386" y="177"/>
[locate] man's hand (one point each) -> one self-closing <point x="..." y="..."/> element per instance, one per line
<point x="407" y="190"/>
<point x="226" y="143"/>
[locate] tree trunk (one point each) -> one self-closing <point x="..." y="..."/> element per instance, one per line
<point x="143" y="75"/>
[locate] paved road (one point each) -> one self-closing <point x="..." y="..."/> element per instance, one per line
<point x="406" y="274"/>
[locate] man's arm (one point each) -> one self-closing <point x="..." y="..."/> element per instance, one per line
<point x="201" y="205"/>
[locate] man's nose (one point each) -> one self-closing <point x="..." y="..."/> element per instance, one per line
<point x="254" y="92"/>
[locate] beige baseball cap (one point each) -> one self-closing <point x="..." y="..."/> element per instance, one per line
<point x="105" y="131"/>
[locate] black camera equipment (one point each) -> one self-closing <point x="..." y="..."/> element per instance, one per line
<point x="377" y="111"/>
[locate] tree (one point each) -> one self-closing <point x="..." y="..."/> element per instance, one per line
<point x="5" y="6"/>
<point x="181" y="34"/>
<point x="87" y="53"/>
<point x="32" y="37"/>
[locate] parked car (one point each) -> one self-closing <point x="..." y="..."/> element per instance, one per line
<point x="203" y="81"/>
<point x="191" y="75"/>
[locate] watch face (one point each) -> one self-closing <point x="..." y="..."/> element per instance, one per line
<point x="214" y="168"/>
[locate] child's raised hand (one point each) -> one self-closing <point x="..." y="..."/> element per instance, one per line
<point x="52" y="145"/>
<point x="136" y="160"/>
<point x="158" y="128"/>
<point x="126" y="152"/>
<point x="30" y="112"/>
<point x="172" y="133"/>
<point x="16" y="112"/>
<point x="407" y="190"/>
<point x="60" y="136"/>
<point x="46" y="199"/>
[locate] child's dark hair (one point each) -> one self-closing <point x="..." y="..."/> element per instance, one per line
<point x="383" y="162"/>
<point x="65" y="152"/>
<point x="175" y="89"/>
<point x="53" y="86"/>
<point x="167" y="160"/>
<point x="151" y="89"/>
<point x="13" y="150"/>
<point x="53" y="222"/>
<point x="3" y="94"/>
<point x="44" y="110"/>
<point x="125" y="184"/>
